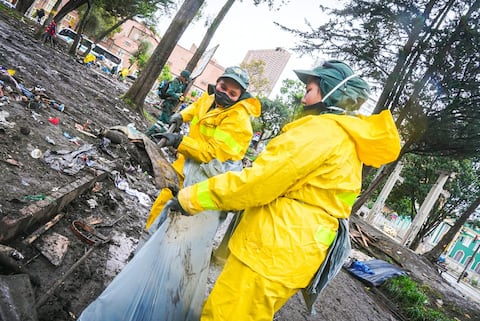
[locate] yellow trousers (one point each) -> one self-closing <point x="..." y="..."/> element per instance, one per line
<point x="241" y="294"/>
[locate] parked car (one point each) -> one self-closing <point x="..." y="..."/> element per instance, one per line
<point x="7" y="4"/>
<point x="68" y="36"/>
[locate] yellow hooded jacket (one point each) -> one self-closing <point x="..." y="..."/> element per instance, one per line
<point x="217" y="133"/>
<point x="304" y="180"/>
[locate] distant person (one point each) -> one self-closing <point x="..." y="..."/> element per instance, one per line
<point x="40" y="14"/>
<point x="295" y="196"/>
<point x="50" y="33"/>
<point x="123" y="74"/>
<point x="174" y="93"/>
<point x="89" y="59"/>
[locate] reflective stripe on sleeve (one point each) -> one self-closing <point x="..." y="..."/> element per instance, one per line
<point x="347" y="198"/>
<point x="204" y="197"/>
<point x="325" y="235"/>
<point x="221" y="136"/>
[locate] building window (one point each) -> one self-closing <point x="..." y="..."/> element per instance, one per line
<point x="127" y="43"/>
<point x="466" y="241"/>
<point x="50" y="5"/>
<point x="458" y="256"/>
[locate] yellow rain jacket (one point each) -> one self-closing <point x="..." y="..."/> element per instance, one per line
<point x="89" y="58"/>
<point x="305" y="179"/>
<point x="217" y="133"/>
<point x="221" y="133"/>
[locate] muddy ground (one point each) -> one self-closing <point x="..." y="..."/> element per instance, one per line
<point x="91" y="100"/>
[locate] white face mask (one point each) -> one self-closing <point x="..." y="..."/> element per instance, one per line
<point x="338" y="86"/>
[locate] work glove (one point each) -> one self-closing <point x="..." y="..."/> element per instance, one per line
<point x="171" y="139"/>
<point x="174" y="205"/>
<point x="177" y="120"/>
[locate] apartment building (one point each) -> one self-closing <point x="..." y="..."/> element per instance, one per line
<point x="275" y="62"/>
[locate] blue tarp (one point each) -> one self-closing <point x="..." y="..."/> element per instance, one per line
<point x="374" y="272"/>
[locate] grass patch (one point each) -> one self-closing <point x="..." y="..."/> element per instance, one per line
<point x="412" y="300"/>
<point x="149" y="117"/>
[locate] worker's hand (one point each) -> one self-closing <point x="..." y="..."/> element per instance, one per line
<point x="177" y="120"/>
<point x="174" y="205"/>
<point x="181" y="98"/>
<point x="171" y="139"/>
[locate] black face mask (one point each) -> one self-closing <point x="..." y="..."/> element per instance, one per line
<point x="222" y="99"/>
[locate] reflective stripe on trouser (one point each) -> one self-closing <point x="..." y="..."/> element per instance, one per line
<point x="242" y="294"/>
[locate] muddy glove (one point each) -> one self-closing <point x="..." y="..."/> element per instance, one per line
<point x="174" y="205"/>
<point x="172" y="139"/>
<point x="177" y="120"/>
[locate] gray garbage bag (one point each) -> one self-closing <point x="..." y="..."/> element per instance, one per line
<point x="336" y="256"/>
<point x="166" y="279"/>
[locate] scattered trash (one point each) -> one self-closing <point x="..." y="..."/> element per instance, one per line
<point x="54" y="247"/>
<point x="92" y="203"/>
<point x="13" y="162"/>
<point x="87" y="233"/>
<point x="122" y="184"/>
<point x="17" y="255"/>
<point x="36" y="153"/>
<point x="97" y="187"/>
<point x="54" y="120"/>
<point x="38" y="197"/>
<point x="3" y="115"/>
<point x="59" y="107"/>
<point x="25" y="131"/>
<point x="50" y="140"/>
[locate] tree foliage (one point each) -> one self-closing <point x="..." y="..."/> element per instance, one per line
<point x="280" y="111"/>
<point x="422" y="58"/>
<point x="419" y="174"/>
<point x="259" y="83"/>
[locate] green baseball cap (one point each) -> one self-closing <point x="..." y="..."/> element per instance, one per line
<point x="186" y="74"/>
<point x="237" y="74"/>
<point x="352" y="92"/>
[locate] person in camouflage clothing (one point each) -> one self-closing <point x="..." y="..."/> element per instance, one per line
<point x="174" y="95"/>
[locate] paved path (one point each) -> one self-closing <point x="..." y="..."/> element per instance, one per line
<point x="464" y="288"/>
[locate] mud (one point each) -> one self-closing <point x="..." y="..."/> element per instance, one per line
<point x="91" y="100"/>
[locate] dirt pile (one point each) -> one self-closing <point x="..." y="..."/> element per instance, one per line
<point x="44" y="151"/>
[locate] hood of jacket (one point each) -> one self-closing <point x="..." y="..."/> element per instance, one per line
<point x="251" y="104"/>
<point x="376" y="137"/>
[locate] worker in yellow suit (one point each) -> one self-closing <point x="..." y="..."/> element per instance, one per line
<point x="220" y="128"/>
<point x="293" y="196"/>
<point x="89" y="59"/>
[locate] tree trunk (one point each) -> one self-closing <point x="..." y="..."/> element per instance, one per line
<point x="23" y="5"/>
<point x="73" y="49"/>
<point x="135" y="96"/>
<point x="46" y="22"/>
<point x="438" y="249"/>
<point x="68" y="7"/>
<point x="206" y="39"/>
<point x="365" y="195"/>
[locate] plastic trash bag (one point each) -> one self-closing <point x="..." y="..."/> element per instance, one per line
<point x="166" y="279"/>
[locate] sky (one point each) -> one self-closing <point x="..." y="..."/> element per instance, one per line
<point x="249" y="27"/>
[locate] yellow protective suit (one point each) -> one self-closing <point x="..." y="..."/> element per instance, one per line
<point x="89" y="58"/>
<point x="221" y="133"/>
<point x="304" y="180"/>
<point x="217" y="133"/>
